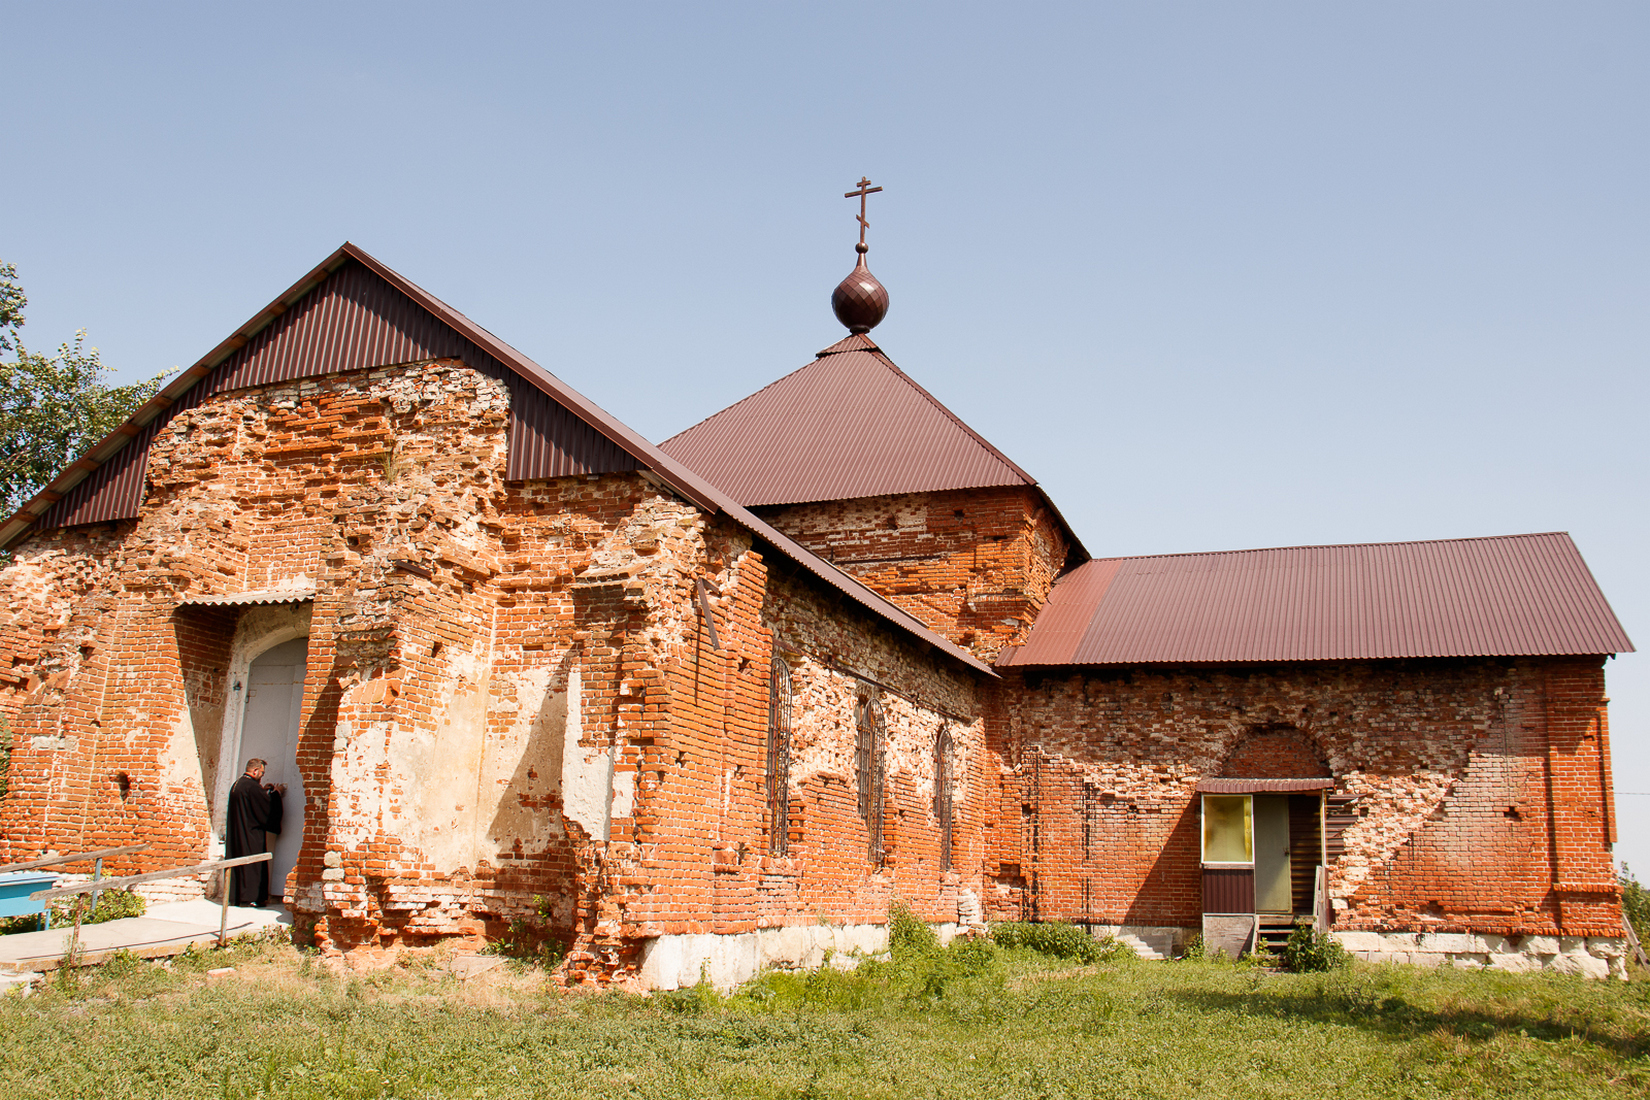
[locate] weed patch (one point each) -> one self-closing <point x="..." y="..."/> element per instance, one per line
<point x="1061" y="941"/>
<point x="1005" y="1022"/>
<point x="1309" y="951"/>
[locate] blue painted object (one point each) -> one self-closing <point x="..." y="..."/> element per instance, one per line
<point x="15" y="888"/>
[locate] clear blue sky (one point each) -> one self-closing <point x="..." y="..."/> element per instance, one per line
<point x="1220" y="275"/>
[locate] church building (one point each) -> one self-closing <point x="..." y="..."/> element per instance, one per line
<point x="723" y="701"/>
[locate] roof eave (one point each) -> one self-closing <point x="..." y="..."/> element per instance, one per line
<point x="1007" y="658"/>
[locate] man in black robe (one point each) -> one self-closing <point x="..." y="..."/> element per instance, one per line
<point x="254" y="809"/>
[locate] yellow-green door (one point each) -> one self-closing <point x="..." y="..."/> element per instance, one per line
<point x="1272" y="883"/>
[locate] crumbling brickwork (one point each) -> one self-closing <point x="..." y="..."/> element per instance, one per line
<point x="1478" y="789"/>
<point x="540" y="702"/>
<point x="512" y="709"/>
<point x="975" y="565"/>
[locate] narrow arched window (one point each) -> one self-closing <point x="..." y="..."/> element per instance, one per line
<point x="779" y="757"/>
<point x="871" y="736"/>
<point x="942" y="791"/>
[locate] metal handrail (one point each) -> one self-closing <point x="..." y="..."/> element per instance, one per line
<point x="97" y="857"/>
<point x="132" y="880"/>
<point x="1320" y="899"/>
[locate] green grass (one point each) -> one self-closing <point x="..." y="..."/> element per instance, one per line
<point x="932" y="1024"/>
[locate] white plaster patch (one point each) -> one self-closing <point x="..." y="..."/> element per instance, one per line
<point x="587" y="788"/>
<point x="586" y="772"/>
<point x="726" y="961"/>
<point x="181" y="767"/>
<point x="358" y="794"/>
<point x="523" y="766"/>
<point x="624" y="794"/>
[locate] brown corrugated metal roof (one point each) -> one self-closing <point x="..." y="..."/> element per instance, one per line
<point x="1514" y="595"/>
<point x="849" y="424"/>
<point x="352" y="312"/>
<point x="257" y="596"/>
<point x="1257" y="786"/>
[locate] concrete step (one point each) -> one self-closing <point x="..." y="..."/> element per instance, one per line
<point x="166" y="930"/>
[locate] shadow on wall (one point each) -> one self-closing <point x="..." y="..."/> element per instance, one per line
<point x="535" y="854"/>
<point x="205" y="636"/>
<point x="1172" y="893"/>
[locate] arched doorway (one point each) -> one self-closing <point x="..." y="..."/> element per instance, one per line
<point x="1263" y="840"/>
<point x="269" y="731"/>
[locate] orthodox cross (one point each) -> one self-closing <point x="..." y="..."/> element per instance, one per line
<point x="865" y="188"/>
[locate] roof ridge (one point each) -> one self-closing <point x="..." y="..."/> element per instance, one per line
<point x="878" y="353"/>
<point x="1328" y="546"/>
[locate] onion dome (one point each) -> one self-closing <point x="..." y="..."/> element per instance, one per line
<point x="860" y="302"/>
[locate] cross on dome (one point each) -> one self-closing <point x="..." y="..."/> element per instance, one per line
<point x="860" y="302"/>
<point x="865" y="188"/>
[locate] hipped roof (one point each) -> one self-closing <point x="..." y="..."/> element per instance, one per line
<point x="1515" y="595"/>
<point x="849" y="424"/>
<point x="352" y="312"/>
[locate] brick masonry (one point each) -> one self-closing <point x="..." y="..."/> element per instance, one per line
<point x="513" y="711"/>
<point x="1477" y="789"/>
<point x="976" y="565"/>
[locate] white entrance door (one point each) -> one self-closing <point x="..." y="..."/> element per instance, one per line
<point x="274" y="695"/>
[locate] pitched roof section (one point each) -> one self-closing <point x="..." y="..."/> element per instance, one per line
<point x="1516" y="595"/>
<point x="354" y="317"/>
<point x="849" y="424"/>
<point x="351" y="312"/>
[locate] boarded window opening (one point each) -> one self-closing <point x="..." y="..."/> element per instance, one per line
<point x="942" y="792"/>
<point x="779" y="757"/>
<point x="869" y="750"/>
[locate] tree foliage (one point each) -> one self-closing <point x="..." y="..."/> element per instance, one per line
<point x="1635" y="904"/>
<point x="52" y="407"/>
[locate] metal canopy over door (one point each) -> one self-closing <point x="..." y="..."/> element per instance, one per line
<point x="1273" y="888"/>
<point x="274" y="697"/>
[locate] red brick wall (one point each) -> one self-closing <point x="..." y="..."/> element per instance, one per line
<point x="1479" y="788"/>
<point x="1275" y="754"/>
<point x="974" y="565"/>
<point x="692" y="723"/>
<point x="470" y="642"/>
<point x="482" y="653"/>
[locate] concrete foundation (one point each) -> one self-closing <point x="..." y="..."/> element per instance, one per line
<point x="726" y="961"/>
<point x="1591" y="956"/>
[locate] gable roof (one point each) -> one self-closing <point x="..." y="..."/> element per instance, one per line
<point x="1515" y="595"/>
<point x="352" y="312"/>
<point x="849" y="424"/>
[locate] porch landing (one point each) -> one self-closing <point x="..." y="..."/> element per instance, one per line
<point x="164" y="930"/>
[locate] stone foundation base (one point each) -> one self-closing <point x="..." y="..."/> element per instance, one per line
<point x="674" y="962"/>
<point x="156" y="892"/>
<point x="1592" y="956"/>
<point x="166" y="890"/>
<point x="1148" y="940"/>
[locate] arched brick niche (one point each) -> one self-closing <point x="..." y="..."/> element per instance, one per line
<point x="1276" y="753"/>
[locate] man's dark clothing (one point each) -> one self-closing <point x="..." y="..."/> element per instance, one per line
<point x="253" y="812"/>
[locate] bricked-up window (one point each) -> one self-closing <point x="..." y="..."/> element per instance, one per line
<point x="779" y="758"/>
<point x="1088" y="826"/>
<point x="942" y="792"/>
<point x="869" y="748"/>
